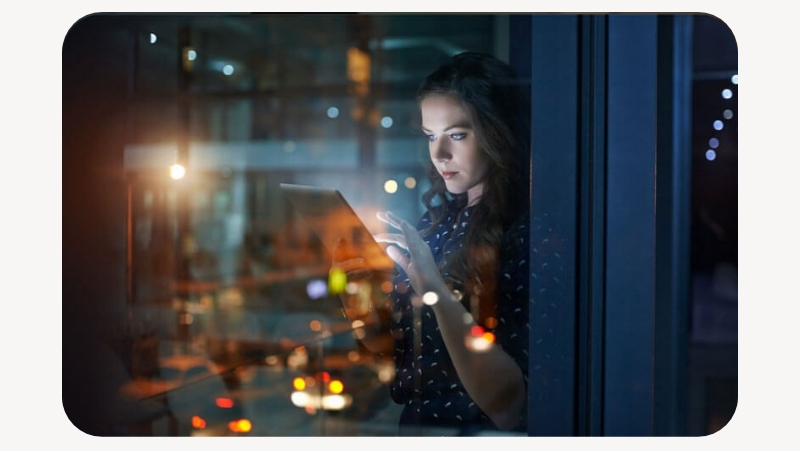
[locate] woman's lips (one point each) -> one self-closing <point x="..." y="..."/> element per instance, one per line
<point x="448" y="175"/>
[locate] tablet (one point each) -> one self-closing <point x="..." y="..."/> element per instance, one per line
<point x="330" y="217"/>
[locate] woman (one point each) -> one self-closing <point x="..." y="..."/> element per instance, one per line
<point x="460" y="302"/>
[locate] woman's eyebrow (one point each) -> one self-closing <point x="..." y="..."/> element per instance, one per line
<point x="464" y="124"/>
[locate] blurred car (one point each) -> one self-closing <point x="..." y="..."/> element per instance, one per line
<point x="193" y="389"/>
<point x="339" y="375"/>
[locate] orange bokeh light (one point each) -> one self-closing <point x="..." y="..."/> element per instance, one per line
<point x="198" y="423"/>
<point x="242" y="425"/>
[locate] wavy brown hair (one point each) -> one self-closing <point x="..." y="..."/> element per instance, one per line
<point x="498" y="101"/>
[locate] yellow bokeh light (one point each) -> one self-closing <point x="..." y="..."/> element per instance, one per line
<point x="240" y="426"/>
<point x="337" y="281"/>
<point x="299" y="384"/>
<point x="336" y="387"/>
<point x="390" y="186"/>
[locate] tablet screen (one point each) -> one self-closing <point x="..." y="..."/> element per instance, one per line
<point x="330" y="217"/>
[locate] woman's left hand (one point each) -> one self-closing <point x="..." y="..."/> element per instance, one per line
<point x="419" y="265"/>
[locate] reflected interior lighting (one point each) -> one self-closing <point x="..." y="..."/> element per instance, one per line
<point x="410" y="182"/>
<point x="357" y="323"/>
<point x="191" y="55"/>
<point x="227" y="69"/>
<point x="198" y="423"/>
<point x="430" y="298"/>
<point x="727" y="93"/>
<point x="491" y="322"/>
<point x="353" y="356"/>
<point x="316" y="288"/>
<point x="333" y="112"/>
<point x="153" y="38"/>
<point x="727" y="114"/>
<point x="337" y="281"/>
<point x="224" y="403"/>
<point x="718" y="125"/>
<point x="242" y="425"/>
<point x="713" y="143"/>
<point x="386" y="122"/>
<point x="336" y="387"/>
<point x="315" y="325"/>
<point x="711" y="155"/>
<point x="390" y="186"/>
<point x="177" y="171"/>
<point x="735" y="79"/>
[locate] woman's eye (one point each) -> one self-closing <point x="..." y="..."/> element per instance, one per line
<point x="458" y="136"/>
<point x="431" y="137"/>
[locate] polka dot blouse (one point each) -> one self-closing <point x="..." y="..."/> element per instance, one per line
<point x="425" y="381"/>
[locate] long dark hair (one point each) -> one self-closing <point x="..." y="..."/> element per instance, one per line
<point x="492" y="92"/>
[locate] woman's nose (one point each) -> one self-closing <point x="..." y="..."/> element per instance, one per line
<point x="439" y="150"/>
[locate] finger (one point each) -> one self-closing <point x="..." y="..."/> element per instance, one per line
<point x="391" y="238"/>
<point x="389" y="218"/>
<point x="398" y="256"/>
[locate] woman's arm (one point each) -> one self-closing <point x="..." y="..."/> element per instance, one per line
<point x="491" y="377"/>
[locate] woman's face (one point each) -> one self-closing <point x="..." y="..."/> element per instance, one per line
<point x="453" y="145"/>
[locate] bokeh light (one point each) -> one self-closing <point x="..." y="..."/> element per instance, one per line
<point x="390" y="186"/>
<point x="337" y="281"/>
<point x="316" y="289"/>
<point x="430" y="298"/>
<point x="410" y="182"/>
<point x="177" y="171"/>
<point x="718" y="125"/>
<point x="711" y="155"/>
<point x="386" y="122"/>
<point x="333" y="112"/>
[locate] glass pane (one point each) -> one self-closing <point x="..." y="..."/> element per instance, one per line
<point x="224" y="108"/>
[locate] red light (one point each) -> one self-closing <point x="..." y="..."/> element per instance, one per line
<point x="476" y="331"/>
<point x="224" y="403"/>
<point x="325" y="376"/>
